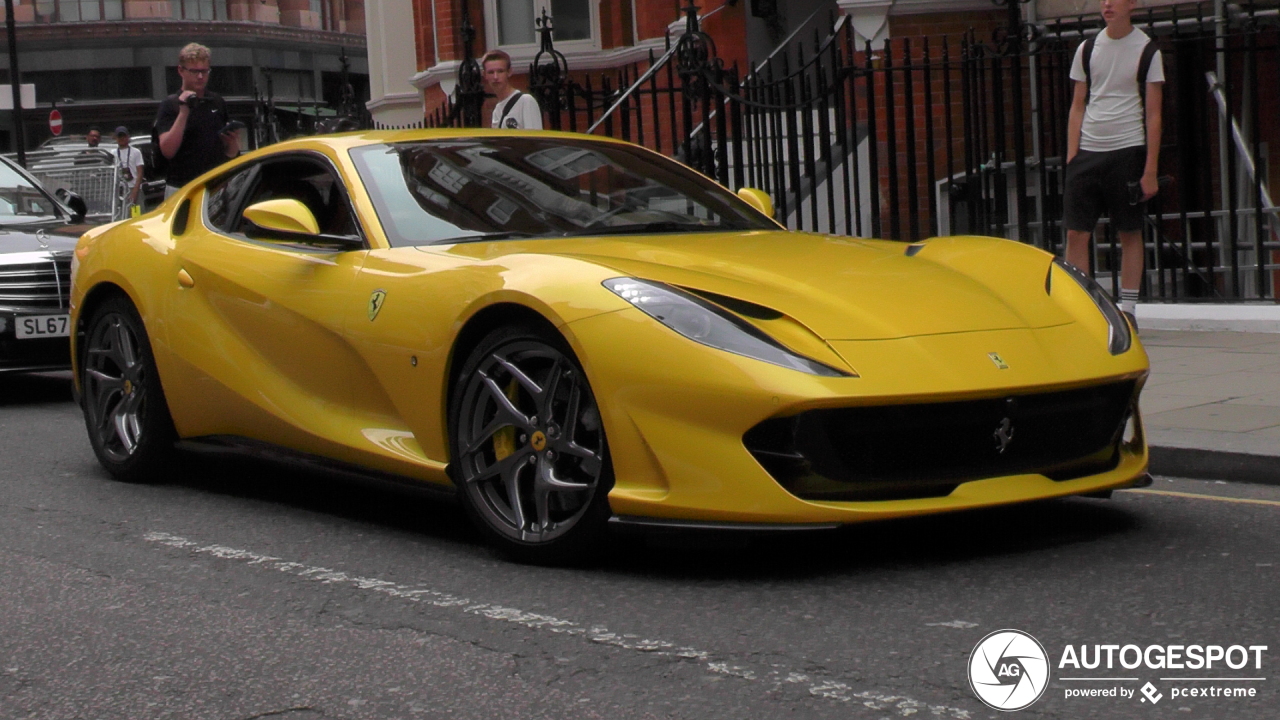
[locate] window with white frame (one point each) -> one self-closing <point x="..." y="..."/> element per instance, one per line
<point x="512" y="23"/>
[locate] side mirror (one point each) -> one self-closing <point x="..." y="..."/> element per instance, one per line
<point x="291" y="221"/>
<point x="283" y="215"/>
<point x="75" y="203"/>
<point x="757" y="199"/>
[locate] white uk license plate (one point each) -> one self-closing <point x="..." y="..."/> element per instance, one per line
<point x="27" y="327"/>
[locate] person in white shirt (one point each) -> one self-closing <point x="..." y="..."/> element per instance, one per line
<point x="515" y="110"/>
<point x="1113" y="142"/>
<point x="129" y="169"/>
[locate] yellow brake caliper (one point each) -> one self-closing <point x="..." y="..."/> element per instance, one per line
<point x="504" y="441"/>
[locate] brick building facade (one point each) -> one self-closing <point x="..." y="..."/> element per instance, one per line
<point x="416" y="46"/>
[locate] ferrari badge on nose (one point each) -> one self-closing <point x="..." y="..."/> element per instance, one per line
<point x="1003" y="435"/>
<point x="1000" y="363"/>
<point x="375" y="303"/>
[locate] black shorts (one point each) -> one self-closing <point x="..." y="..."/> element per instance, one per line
<point x="1097" y="184"/>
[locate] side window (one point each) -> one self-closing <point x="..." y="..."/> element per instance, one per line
<point x="311" y="183"/>
<point x="222" y="199"/>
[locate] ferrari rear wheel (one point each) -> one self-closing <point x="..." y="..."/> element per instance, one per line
<point x="530" y="457"/>
<point x="124" y="407"/>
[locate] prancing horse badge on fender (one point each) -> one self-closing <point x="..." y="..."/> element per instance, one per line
<point x="375" y="303"/>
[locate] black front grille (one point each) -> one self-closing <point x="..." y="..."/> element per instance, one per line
<point x="912" y="451"/>
<point x="36" y="285"/>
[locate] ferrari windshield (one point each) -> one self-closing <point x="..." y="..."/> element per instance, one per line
<point x="20" y="201"/>
<point x="509" y="187"/>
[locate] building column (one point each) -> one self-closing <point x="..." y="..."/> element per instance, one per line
<point x="391" y="26"/>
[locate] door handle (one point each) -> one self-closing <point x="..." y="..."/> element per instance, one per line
<point x="185" y="279"/>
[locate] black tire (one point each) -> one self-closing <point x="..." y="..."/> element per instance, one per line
<point x="124" y="408"/>
<point x="529" y="454"/>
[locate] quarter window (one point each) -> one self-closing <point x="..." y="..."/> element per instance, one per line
<point x="221" y="200"/>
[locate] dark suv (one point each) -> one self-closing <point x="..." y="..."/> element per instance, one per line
<point x="38" y="235"/>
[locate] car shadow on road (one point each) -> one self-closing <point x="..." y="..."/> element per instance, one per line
<point x="919" y="542"/>
<point x="35" y="388"/>
<point x="403" y="506"/>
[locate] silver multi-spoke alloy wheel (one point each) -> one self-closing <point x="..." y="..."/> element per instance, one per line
<point x="530" y="453"/>
<point x="114" y="390"/>
<point x="124" y="408"/>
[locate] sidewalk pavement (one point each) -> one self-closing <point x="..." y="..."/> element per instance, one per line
<point x="1211" y="407"/>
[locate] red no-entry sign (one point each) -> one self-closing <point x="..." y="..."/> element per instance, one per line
<point x="55" y="122"/>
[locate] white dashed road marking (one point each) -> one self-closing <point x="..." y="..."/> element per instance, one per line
<point x="901" y="705"/>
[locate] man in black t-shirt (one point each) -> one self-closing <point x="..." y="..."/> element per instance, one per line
<point x="189" y="124"/>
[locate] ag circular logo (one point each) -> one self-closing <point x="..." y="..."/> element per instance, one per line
<point x="1009" y="670"/>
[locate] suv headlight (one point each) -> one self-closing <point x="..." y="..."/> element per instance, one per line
<point x="1120" y="338"/>
<point x="705" y="323"/>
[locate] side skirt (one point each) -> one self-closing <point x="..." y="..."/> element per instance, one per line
<point x="235" y="445"/>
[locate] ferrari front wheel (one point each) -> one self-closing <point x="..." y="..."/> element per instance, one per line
<point x="124" y="407"/>
<point x="530" y="457"/>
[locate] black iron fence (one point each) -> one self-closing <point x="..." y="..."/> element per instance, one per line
<point x="959" y="134"/>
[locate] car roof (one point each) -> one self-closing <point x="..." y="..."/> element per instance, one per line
<point x="360" y="138"/>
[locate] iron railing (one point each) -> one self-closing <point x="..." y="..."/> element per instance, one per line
<point x="940" y="135"/>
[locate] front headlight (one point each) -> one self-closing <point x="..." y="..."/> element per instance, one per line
<point x="705" y="323"/>
<point x="1120" y="338"/>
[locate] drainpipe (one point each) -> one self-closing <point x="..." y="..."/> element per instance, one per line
<point x="1037" y="150"/>
<point x="1224" y="142"/>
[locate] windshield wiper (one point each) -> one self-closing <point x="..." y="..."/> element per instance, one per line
<point x="663" y="226"/>
<point x="484" y="237"/>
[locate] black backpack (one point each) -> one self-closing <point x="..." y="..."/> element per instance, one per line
<point x="158" y="162"/>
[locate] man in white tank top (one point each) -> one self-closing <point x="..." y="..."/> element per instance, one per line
<point x="1113" y="140"/>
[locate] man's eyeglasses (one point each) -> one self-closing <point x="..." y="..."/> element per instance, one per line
<point x="198" y="72"/>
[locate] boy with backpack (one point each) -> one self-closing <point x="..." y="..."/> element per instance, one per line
<point x="516" y="110"/>
<point x="1113" y="141"/>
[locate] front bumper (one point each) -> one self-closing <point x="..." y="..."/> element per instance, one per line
<point x="31" y="354"/>
<point x="922" y="450"/>
<point x="677" y="413"/>
<point x="33" y="284"/>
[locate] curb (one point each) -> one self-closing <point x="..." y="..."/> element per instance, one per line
<point x="1214" y="465"/>
<point x="1196" y="317"/>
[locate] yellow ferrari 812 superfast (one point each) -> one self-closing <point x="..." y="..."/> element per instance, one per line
<point x="571" y="333"/>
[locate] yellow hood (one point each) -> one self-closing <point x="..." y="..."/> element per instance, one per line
<point x="846" y="288"/>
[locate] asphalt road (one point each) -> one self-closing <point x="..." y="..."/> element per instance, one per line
<point x="246" y="590"/>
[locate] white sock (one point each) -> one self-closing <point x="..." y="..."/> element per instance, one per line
<point x="1129" y="301"/>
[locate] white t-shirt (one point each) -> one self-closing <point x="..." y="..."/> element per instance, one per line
<point x="524" y="115"/>
<point x="128" y="164"/>
<point x="1113" y="119"/>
